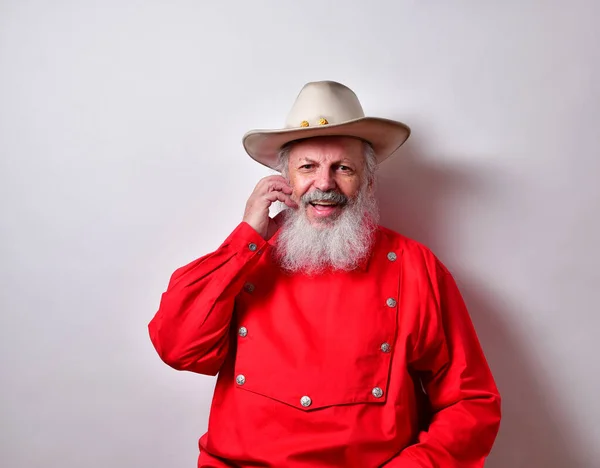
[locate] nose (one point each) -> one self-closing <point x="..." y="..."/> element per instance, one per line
<point x="324" y="180"/>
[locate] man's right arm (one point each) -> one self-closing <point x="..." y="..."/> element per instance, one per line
<point x="190" y="330"/>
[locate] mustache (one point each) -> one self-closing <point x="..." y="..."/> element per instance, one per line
<point x="329" y="196"/>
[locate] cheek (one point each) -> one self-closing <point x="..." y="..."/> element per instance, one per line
<point x="350" y="188"/>
<point x="299" y="187"/>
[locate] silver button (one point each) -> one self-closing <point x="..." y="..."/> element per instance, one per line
<point x="305" y="401"/>
<point x="392" y="256"/>
<point x="243" y="331"/>
<point x="252" y="246"/>
<point x="385" y="347"/>
<point x="240" y="379"/>
<point x="391" y="302"/>
<point x="377" y="392"/>
<point x="249" y="287"/>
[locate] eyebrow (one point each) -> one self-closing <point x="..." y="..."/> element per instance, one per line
<point x="304" y="160"/>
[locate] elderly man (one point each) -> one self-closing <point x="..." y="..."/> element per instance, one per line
<point x="338" y="342"/>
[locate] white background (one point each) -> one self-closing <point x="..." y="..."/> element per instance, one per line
<point x="121" y="159"/>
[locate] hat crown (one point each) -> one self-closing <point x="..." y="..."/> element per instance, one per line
<point x="327" y="100"/>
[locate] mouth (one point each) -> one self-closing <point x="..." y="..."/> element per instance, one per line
<point x="323" y="203"/>
<point x="324" y="208"/>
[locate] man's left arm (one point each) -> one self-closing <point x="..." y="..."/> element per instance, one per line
<point x="462" y="394"/>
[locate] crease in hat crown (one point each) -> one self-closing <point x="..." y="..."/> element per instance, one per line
<point x="324" y="100"/>
<point x="326" y="108"/>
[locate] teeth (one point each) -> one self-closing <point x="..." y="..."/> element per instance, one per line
<point x="325" y="203"/>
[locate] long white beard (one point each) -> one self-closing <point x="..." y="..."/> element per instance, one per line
<point x="339" y="244"/>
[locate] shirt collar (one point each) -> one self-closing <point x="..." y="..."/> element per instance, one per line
<point x="364" y="264"/>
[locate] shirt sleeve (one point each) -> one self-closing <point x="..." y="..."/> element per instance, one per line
<point x="462" y="395"/>
<point x="190" y="330"/>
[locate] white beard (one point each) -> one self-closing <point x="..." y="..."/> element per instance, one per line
<point x="339" y="244"/>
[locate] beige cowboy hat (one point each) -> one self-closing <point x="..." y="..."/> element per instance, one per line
<point x="326" y="108"/>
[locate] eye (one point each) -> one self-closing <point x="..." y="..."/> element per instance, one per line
<point x="344" y="168"/>
<point x="307" y="166"/>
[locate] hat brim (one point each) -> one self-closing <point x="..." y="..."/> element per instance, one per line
<point x="384" y="135"/>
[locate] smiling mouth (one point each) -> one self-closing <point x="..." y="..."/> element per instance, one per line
<point x="324" y="209"/>
<point x="323" y="203"/>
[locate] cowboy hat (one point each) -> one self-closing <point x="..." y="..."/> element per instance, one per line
<point x="326" y="108"/>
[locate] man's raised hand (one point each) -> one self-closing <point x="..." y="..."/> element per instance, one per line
<point x="267" y="191"/>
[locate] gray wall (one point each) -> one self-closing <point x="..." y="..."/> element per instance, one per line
<point x="120" y="129"/>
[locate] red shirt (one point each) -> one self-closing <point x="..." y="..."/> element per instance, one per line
<point x="331" y="370"/>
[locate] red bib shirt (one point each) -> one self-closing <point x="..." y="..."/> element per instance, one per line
<point x="376" y="367"/>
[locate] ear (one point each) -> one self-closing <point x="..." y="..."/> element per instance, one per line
<point x="371" y="185"/>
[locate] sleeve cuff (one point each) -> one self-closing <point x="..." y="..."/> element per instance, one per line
<point x="245" y="241"/>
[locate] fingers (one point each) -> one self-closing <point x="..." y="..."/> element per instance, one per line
<point x="267" y="191"/>
<point x="282" y="197"/>
<point x="273" y="188"/>
<point x="271" y="183"/>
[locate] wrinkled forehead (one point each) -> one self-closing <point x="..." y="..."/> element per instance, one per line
<point x="328" y="149"/>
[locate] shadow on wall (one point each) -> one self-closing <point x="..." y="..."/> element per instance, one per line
<point x="415" y="197"/>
